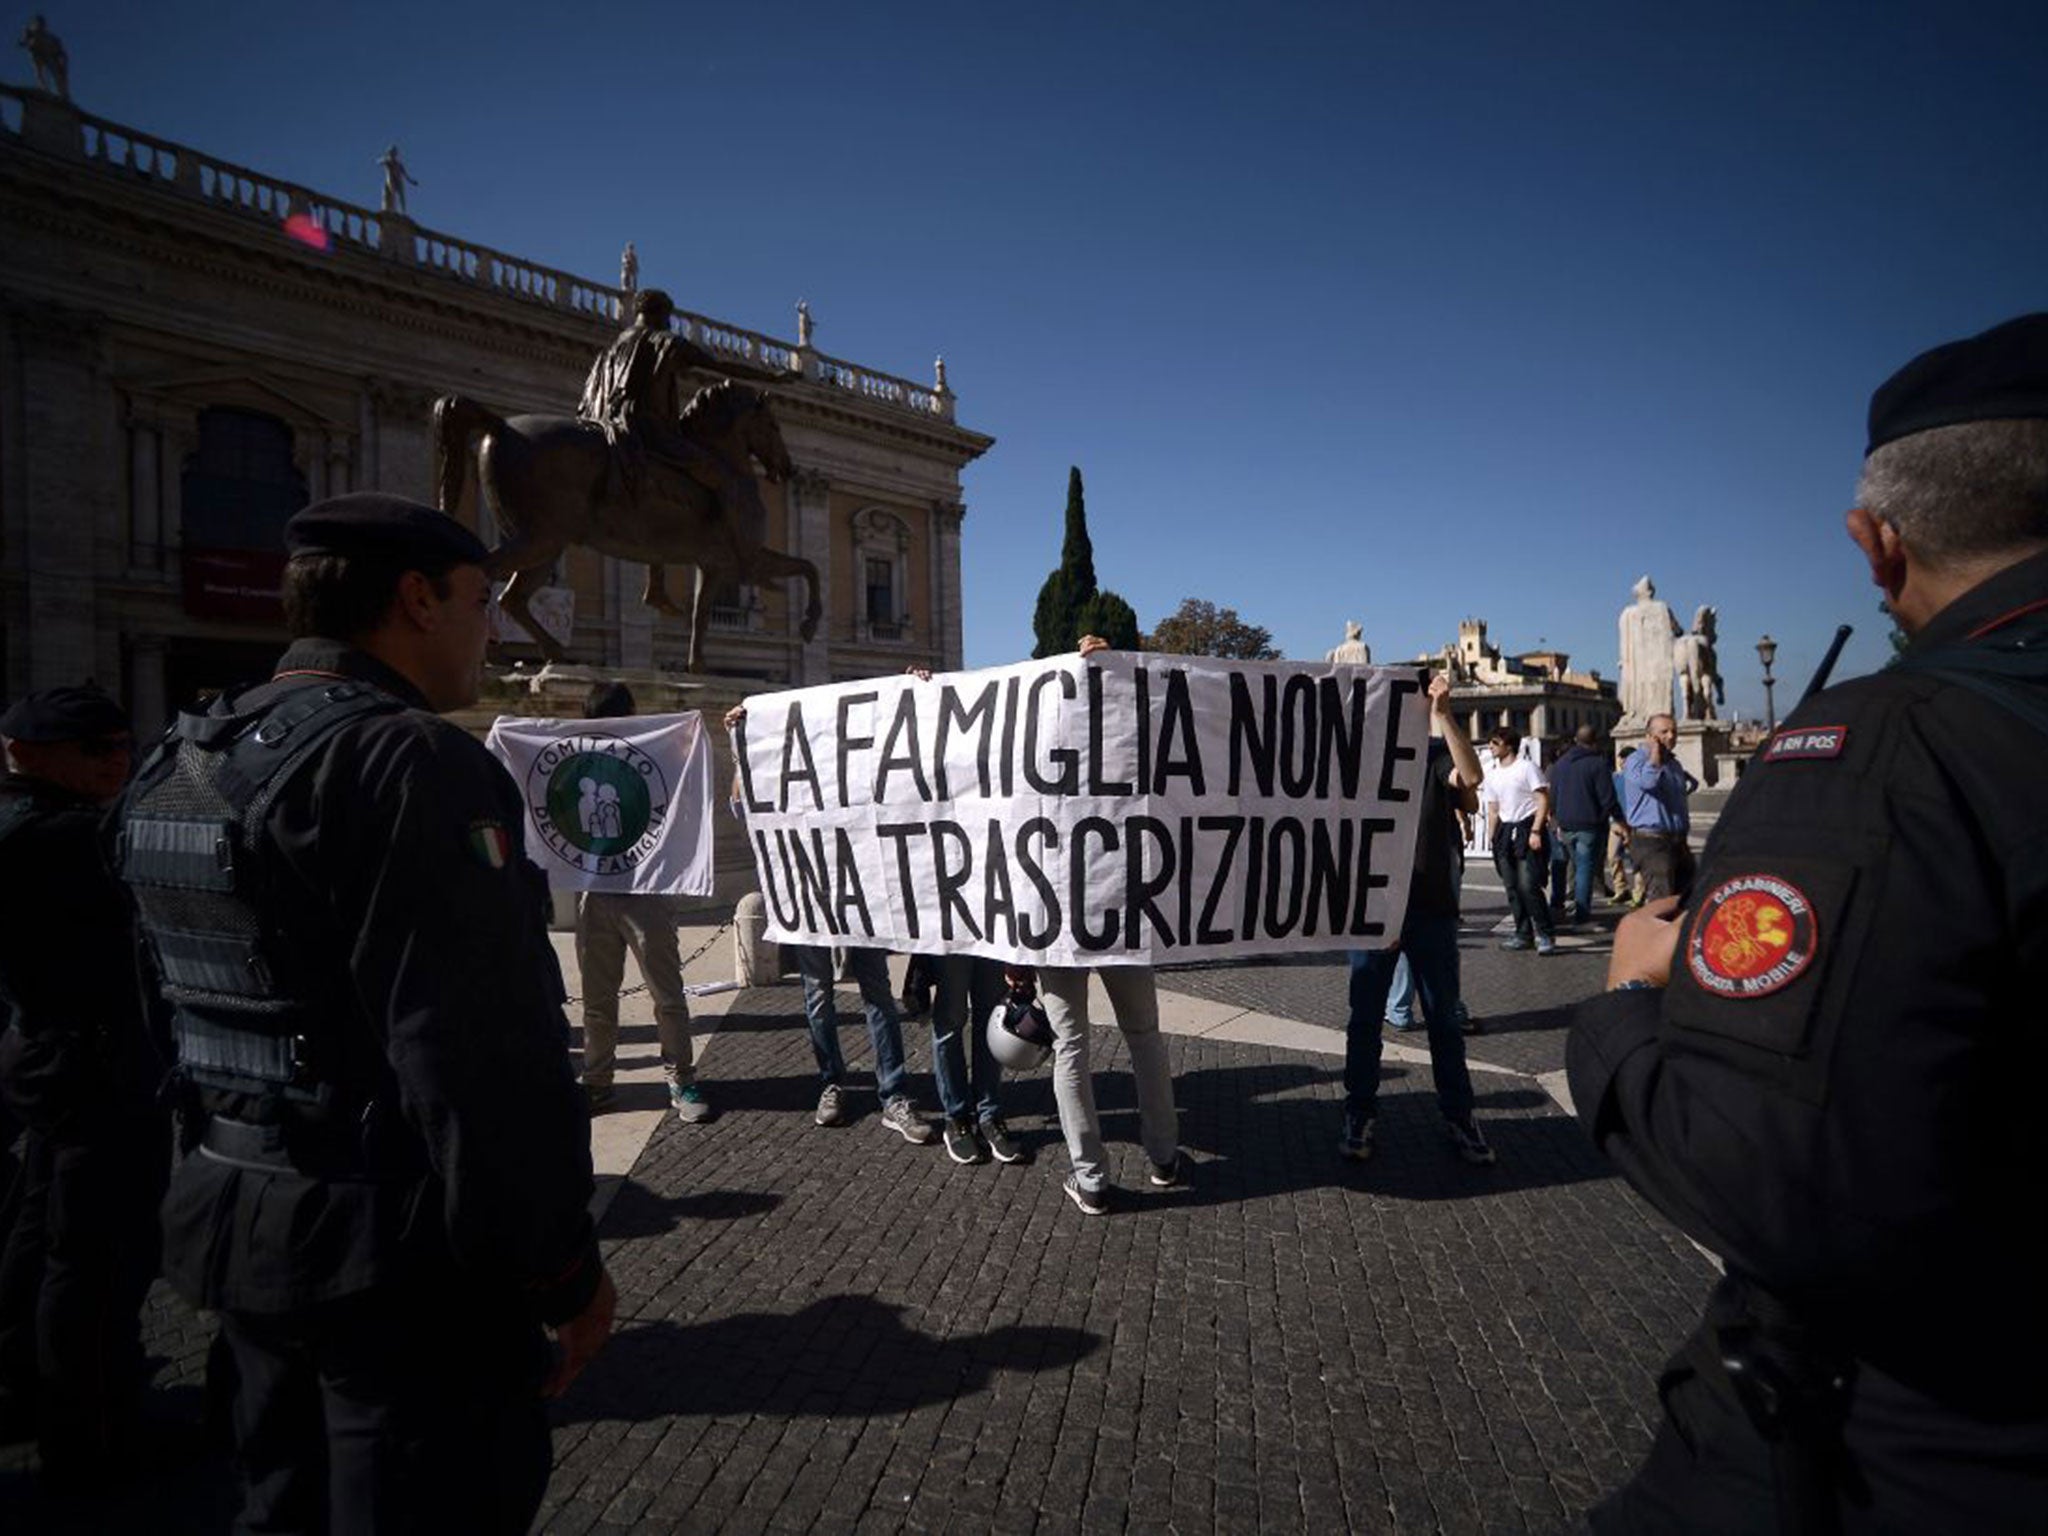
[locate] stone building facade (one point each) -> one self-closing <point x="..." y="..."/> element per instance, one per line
<point x="190" y="350"/>
<point x="1534" y="694"/>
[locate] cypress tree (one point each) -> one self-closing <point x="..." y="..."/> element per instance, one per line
<point x="1073" y="584"/>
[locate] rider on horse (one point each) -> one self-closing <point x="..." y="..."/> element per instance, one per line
<point x="636" y="392"/>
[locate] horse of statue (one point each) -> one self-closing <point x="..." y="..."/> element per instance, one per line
<point x="1699" y="676"/>
<point x="552" y="482"/>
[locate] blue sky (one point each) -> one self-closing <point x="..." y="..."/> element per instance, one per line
<point x="1394" y="313"/>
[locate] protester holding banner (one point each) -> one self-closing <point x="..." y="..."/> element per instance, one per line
<point x="1429" y="940"/>
<point x="1134" y="995"/>
<point x="608" y="923"/>
<point x="970" y="988"/>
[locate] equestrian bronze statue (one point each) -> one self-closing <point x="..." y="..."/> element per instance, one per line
<point x="639" y="474"/>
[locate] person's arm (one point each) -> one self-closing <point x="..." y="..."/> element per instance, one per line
<point x="1466" y="773"/>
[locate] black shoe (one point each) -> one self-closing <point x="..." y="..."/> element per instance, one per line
<point x="1166" y="1175"/>
<point x="1469" y="1144"/>
<point x="962" y="1145"/>
<point x="1000" y="1141"/>
<point x="598" y="1096"/>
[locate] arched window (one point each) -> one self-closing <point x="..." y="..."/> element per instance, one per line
<point x="881" y="574"/>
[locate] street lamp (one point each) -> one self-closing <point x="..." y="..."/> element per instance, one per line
<point x="1767" y="652"/>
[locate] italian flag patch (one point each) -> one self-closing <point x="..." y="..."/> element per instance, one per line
<point x="491" y="843"/>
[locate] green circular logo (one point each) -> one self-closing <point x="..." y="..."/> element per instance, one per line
<point x="600" y="801"/>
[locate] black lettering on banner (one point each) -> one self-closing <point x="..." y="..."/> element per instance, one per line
<point x="1141" y="682"/>
<point x="796" y="743"/>
<point x="951" y="713"/>
<point x="1369" y="827"/>
<point x="1298" y="723"/>
<point x="997" y="900"/>
<point x="1232" y="828"/>
<point x="1077" y="880"/>
<point x="1184" y="926"/>
<point x="1329" y="875"/>
<point x="1251" y="743"/>
<point x="848" y="893"/>
<point x="1255" y="865"/>
<point x="949" y="879"/>
<point x="1141" y="888"/>
<point x="1097" y="784"/>
<point x="1398" y="690"/>
<point x="813" y="879"/>
<point x="1042" y="828"/>
<point x="755" y="804"/>
<point x="766" y="861"/>
<point x="900" y="833"/>
<point x="1177" y="720"/>
<point x="905" y="724"/>
<point x="848" y="741"/>
<point x="1285" y="878"/>
<point x="1068" y="760"/>
<point x="1008" y="757"/>
<point x="1346" y="746"/>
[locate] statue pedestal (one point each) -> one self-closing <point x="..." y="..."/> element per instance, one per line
<point x="1702" y="744"/>
<point x="557" y="692"/>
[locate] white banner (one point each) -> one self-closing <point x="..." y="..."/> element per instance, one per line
<point x="1122" y="810"/>
<point x="614" y="805"/>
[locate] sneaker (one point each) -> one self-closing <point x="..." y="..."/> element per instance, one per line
<point x="1545" y="945"/>
<point x="1517" y="942"/>
<point x="1471" y="1024"/>
<point x="898" y="1116"/>
<point x="962" y="1145"/>
<point x="1356" y="1143"/>
<point x="1470" y="1145"/>
<point x="689" y="1103"/>
<point x="598" y="1096"/>
<point x="1093" y="1202"/>
<point x="831" y="1106"/>
<point x="1406" y="1026"/>
<point x="1000" y="1141"/>
<point x="1166" y="1175"/>
<point x="1578" y="917"/>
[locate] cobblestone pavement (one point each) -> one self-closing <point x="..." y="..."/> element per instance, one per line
<point x="834" y="1330"/>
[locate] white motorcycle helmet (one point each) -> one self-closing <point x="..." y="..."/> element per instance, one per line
<point x="1019" y="1033"/>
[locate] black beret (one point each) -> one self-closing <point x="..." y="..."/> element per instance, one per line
<point x="2000" y="375"/>
<point x="372" y="523"/>
<point x="83" y="713"/>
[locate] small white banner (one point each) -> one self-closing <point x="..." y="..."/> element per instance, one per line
<point x="614" y="805"/>
<point x="1122" y="810"/>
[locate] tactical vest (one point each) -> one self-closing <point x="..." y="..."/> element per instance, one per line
<point x="255" y="1012"/>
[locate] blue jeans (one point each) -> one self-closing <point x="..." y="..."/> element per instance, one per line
<point x="1401" y="993"/>
<point x="968" y="991"/>
<point x="1586" y="845"/>
<point x="870" y="968"/>
<point x="1430" y="941"/>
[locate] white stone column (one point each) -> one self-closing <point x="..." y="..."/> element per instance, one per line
<point x="624" y="582"/>
<point x="811" y="504"/>
<point x="946" y="604"/>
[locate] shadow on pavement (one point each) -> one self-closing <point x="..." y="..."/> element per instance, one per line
<point x="637" y="1211"/>
<point x="841" y="1355"/>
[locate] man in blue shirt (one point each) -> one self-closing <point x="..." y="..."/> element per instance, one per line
<point x="1653" y="793"/>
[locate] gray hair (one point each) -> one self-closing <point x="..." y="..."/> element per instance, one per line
<point x="1965" y="493"/>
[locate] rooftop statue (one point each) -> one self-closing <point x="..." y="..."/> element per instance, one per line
<point x="1352" y="649"/>
<point x="396" y="180"/>
<point x="46" y="53"/>
<point x="640" y="472"/>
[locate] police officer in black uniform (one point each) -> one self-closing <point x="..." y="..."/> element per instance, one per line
<point x="80" y="1069"/>
<point x="386" y="1193"/>
<point x="1825" y="1061"/>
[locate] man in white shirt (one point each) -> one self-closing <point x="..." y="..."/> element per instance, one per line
<point x="1518" y="820"/>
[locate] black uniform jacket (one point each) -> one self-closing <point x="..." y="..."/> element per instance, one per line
<point x="75" y="1044"/>
<point x="1838" y="1091"/>
<point x="397" y="857"/>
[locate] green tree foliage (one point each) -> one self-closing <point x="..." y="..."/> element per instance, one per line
<point x="1109" y="616"/>
<point x="1200" y="628"/>
<point x="1070" y="605"/>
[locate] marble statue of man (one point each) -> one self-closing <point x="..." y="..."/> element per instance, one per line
<point x="1352" y="651"/>
<point x="803" y="323"/>
<point x="1647" y="630"/>
<point x="46" y="53"/>
<point x="396" y="180"/>
<point x="629" y="269"/>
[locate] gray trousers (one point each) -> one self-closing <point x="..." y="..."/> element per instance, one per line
<point x="607" y="925"/>
<point x="1134" y="996"/>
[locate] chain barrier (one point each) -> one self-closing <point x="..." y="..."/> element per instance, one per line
<point x="694" y="955"/>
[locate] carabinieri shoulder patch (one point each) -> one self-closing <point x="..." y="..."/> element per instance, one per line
<point x="1807" y="742"/>
<point x="491" y="843"/>
<point x="1754" y="935"/>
